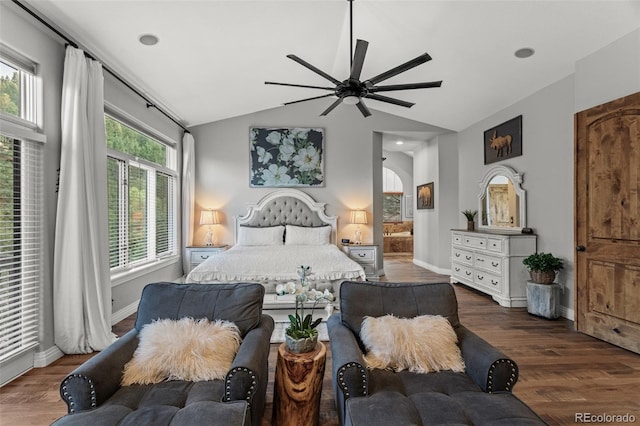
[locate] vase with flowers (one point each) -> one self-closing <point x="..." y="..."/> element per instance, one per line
<point x="302" y="334"/>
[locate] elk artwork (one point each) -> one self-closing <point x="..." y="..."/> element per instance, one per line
<point x="424" y="196"/>
<point x="499" y="143"/>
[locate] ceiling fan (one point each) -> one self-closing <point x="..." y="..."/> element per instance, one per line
<point x="353" y="91"/>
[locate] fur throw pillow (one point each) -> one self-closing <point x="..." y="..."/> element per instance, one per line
<point x="421" y="344"/>
<point x="186" y="349"/>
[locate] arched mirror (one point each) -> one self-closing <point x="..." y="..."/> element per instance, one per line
<point x="502" y="201"/>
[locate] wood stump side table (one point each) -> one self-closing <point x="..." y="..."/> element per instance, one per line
<point x="298" y="385"/>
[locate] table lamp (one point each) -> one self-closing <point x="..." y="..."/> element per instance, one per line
<point x="359" y="217"/>
<point x="209" y="217"/>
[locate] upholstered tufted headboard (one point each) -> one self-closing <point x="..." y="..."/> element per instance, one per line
<point x="287" y="207"/>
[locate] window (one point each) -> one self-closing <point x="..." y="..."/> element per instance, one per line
<point x="141" y="195"/>
<point x="392" y="196"/>
<point x="20" y="207"/>
<point x="17" y="88"/>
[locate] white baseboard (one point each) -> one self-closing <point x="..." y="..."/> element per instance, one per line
<point x="430" y="267"/>
<point x="568" y="313"/>
<point x="123" y="313"/>
<point x="42" y="359"/>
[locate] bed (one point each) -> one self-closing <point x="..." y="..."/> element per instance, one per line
<point x="282" y="231"/>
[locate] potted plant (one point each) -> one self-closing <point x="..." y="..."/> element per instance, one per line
<point x="302" y="335"/>
<point x="471" y="218"/>
<point x="542" y="267"/>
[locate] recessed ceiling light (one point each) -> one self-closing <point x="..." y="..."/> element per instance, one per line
<point x="399" y="143"/>
<point x="525" y="52"/>
<point x="148" y="39"/>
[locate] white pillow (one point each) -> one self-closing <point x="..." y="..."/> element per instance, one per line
<point x="303" y="236"/>
<point x="421" y="344"/>
<point x="269" y="236"/>
<point x="186" y="349"/>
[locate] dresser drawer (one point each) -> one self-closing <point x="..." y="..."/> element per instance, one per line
<point x="462" y="271"/>
<point x="490" y="263"/>
<point x="496" y="244"/>
<point x="462" y="256"/>
<point x="456" y="239"/>
<point x="488" y="281"/>
<point x="369" y="268"/>
<point x="474" y="242"/>
<point x="199" y="256"/>
<point x="362" y="254"/>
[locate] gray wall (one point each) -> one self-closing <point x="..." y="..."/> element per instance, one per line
<point x="436" y="162"/>
<point x="548" y="140"/>
<point x="25" y="35"/>
<point x="353" y="163"/>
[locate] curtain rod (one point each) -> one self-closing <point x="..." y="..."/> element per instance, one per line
<point x="90" y="56"/>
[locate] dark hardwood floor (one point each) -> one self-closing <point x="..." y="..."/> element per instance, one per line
<point x="562" y="372"/>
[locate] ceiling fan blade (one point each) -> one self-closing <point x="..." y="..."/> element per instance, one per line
<point x="358" y="59"/>
<point x="300" y="85"/>
<point x="400" y="69"/>
<point x="312" y="68"/>
<point x="363" y="108"/>
<point x="408" y="86"/>
<point x="389" y="100"/>
<point x="332" y="107"/>
<point x="308" y="99"/>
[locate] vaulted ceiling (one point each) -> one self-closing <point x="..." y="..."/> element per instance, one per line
<point x="213" y="57"/>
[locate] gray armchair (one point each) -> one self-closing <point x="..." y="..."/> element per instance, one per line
<point x="93" y="393"/>
<point x="480" y="395"/>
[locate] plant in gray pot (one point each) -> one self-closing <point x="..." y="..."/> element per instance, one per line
<point x="542" y="267"/>
<point x="302" y="335"/>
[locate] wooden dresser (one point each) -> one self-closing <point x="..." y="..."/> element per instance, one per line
<point x="492" y="263"/>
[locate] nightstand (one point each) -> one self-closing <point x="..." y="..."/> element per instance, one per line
<point x="198" y="254"/>
<point x="367" y="256"/>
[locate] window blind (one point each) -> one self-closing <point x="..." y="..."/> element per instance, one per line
<point x="20" y="245"/>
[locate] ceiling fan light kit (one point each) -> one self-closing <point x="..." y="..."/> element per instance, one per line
<point x="353" y="91"/>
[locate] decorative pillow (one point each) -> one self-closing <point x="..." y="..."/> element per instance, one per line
<point x="303" y="236"/>
<point x="421" y="344"/>
<point x="186" y="349"/>
<point x="269" y="236"/>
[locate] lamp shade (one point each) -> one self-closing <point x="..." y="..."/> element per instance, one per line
<point x="209" y="217"/>
<point x="359" y="217"/>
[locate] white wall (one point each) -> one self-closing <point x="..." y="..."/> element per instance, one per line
<point x="353" y="163"/>
<point x="437" y="162"/>
<point x="608" y="74"/>
<point x="548" y="140"/>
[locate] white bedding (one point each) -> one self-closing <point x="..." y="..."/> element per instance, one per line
<point x="276" y="263"/>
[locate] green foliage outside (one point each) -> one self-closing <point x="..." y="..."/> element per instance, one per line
<point x="10" y="94"/>
<point x="124" y="139"/>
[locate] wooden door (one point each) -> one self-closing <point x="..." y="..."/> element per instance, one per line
<point x="607" y="229"/>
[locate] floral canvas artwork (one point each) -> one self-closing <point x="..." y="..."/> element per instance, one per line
<point x="287" y="157"/>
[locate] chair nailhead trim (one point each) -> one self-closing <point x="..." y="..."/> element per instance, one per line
<point x="69" y="398"/>
<point x="512" y="378"/>
<point x="250" y="392"/>
<point x="343" y="383"/>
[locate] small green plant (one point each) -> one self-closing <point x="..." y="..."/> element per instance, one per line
<point x="470" y="214"/>
<point x="303" y="326"/>
<point x="542" y="262"/>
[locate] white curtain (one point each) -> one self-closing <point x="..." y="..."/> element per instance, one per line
<point x="81" y="278"/>
<point x="188" y="194"/>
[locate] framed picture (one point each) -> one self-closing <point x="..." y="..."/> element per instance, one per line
<point x="425" y="196"/>
<point x="286" y="157"/>
<point x="503" y="141"/>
